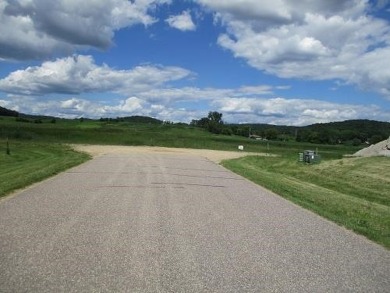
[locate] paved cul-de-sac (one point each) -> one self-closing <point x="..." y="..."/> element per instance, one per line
<point x="154" y="222"/>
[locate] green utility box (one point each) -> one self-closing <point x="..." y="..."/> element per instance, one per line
<point x="309" y="157"/>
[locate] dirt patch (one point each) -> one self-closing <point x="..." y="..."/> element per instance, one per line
<point x="380" y="149"/>
<point x="212" y="155"/>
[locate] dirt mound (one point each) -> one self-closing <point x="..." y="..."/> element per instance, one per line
<point x="380" y="149"/>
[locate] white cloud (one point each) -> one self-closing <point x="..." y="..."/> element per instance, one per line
<point x="177" y="104"/>
<point x="132" y="105"/>
<point x="281" y="111"/>
<point x="80" y="74"/>
<point x="182" y="21"/>
<point x="277" y="12"/>
<point x="308" y="39"/>
<point x="373" y="74"/>
<point x="36" y="29"/>
<point x="186" y="94"/>
<point x="77" y="107"/>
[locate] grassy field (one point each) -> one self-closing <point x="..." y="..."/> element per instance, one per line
<point x="30" y="162"/>
<point x="35" y="146"/>
<point x="125" y="133"/>
<point x="353" y="192"/>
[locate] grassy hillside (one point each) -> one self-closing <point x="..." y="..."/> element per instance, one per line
<point x="353" y="192"/>
<point x="130" y="133"/>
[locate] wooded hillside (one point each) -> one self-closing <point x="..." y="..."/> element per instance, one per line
<point x="350" y="131"/>
<point x="7" y="112"/>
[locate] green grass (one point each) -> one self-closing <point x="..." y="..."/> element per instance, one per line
<point x="34" y="146"/>
<point x="30" y="162"/>
<point x="353" y="192"/>
<point x="125" y="133"/>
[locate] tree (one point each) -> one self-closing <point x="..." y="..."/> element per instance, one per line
<point x="271" y="133"/>
<point x="213" y="123"/>
<point x="203" y="122"/>
<point x="215" y="117"/>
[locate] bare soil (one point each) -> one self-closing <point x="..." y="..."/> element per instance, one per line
<point x="212" y="155"/>
<point x="379" y="149"/>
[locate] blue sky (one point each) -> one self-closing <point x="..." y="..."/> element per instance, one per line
<point x="257" y="61"/>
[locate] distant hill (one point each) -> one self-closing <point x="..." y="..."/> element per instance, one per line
<point x="364" y="130"/>
<point x="349" y="131"/>
<point x="7" y="112"/>
<point x="134" y="119"/>
<point x="12" y="113"/>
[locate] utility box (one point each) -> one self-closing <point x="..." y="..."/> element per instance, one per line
<point x="309" y="157"/>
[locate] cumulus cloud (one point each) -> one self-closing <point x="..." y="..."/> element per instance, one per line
<point x="297" y="112"/>
<point x="237" y="105"/>
<point x="79" y="107"/>
<point x="76" y="107"/>
<point x="182" y="21"/>
<point x="80" y="74"/>
<point x="187" y="94"/>
<point x="36" y="29"/>
<point x="308" y="39"/>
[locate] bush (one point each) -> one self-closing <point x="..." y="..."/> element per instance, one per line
<point x="227" y="131"/>
<point x="375" y="139"/>
<point x="356" y="142"/>
<point x="20" y="119"/>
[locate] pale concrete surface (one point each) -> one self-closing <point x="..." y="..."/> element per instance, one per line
<point x="212" y="155"/>
<point x="161" y="222"/>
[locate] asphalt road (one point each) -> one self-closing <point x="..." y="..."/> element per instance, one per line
<point x="174" y="223"/>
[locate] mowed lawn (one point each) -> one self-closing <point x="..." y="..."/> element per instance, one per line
<point x="353" y="192"/>
<point x="30" y="162"/>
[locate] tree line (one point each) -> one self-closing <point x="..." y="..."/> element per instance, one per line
<point x="353" y="132"/>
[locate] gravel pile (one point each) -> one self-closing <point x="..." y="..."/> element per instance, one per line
<point x="379" y="149"/>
